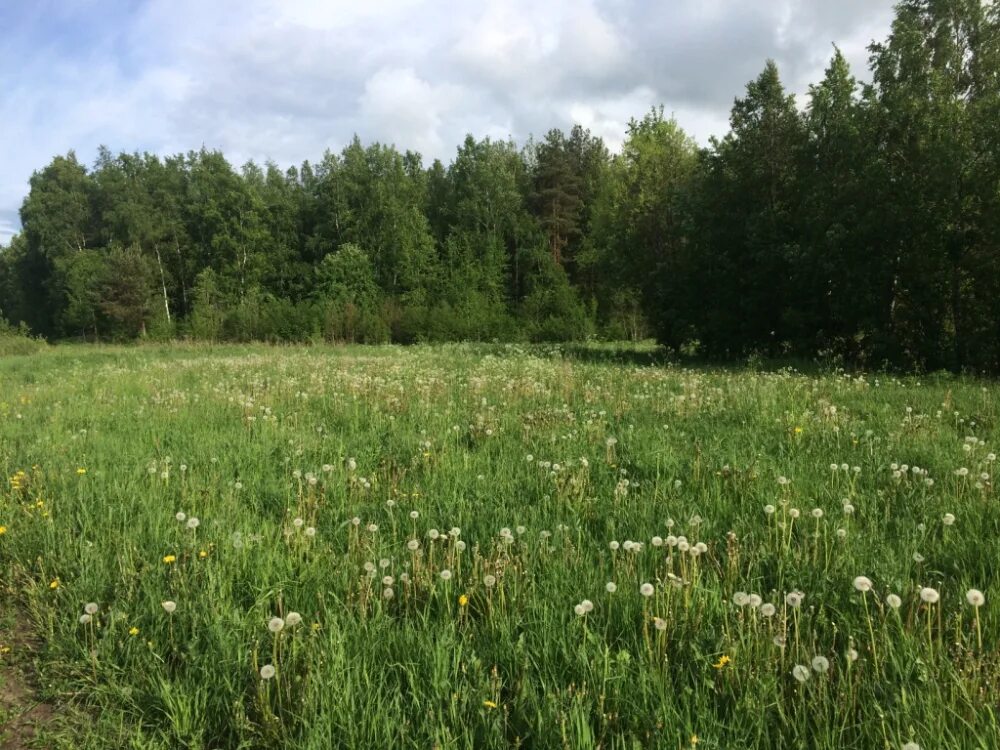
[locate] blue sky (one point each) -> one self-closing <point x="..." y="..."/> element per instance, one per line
<point x="287" y="79"/>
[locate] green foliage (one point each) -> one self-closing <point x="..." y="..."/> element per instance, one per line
<point x="864" y="228"/>
<point x="17" y="340"/>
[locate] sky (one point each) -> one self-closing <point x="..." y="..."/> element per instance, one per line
<point x="287" y="79"/>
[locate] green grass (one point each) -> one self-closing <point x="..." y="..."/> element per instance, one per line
<point x="114" y="442"/>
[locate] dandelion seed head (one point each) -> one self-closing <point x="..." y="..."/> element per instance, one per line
<point x="820" y="664"/>
<point x="975" y="597"/>
<point x="929" y="595"/>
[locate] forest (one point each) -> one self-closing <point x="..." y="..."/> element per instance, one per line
<point x="862" y="226"/>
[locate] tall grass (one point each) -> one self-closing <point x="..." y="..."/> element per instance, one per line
<point x="444" y="524"/>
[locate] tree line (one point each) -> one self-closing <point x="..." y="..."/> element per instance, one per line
<point x="865" y="226"/>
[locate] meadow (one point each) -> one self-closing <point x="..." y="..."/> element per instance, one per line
<point x="494" y="547"/>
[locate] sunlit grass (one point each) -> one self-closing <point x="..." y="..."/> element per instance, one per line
<point x="493" y="546"/>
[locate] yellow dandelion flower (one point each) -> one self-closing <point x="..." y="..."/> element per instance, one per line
<point x="4" y="649"/>
<point x="463" y="600"/>
<point x="203" y="554"/>
<point x="54" y="584"/>
<point x="722" y="662"/>
<point x="694" y="740"/>
<point x="81" y="471"/>
<point x="168" y="559"/>
<point x="315" y="627"/>
<point x="133" y="631"/>
<point x="489" y="704"/>
<point x="798" y="430"/>
<point x="3" y="530"/>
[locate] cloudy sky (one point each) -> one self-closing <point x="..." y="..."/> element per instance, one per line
<point x="286" y="79"/>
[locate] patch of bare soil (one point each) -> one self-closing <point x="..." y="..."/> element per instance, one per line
<point x="22" y="712"/>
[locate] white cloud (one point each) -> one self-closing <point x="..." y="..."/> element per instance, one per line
<point x="286" y="79"/>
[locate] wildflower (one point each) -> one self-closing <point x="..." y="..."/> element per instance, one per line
<point x="133" y="631"/>
<point x="611" y="587"/>
<point x="975" y="597"/>
<point x="90" y="608"/>
<point x="820" y="664"/>
<point x="3" y="530"/>
<point x="292" y="619"/>
<point x="267" y="672"/>
<point x="646" y="589"/>
<point x="54" y="584"/>
<point x="794" y="599"/>
<point x="863" y="584"/>
<point x="202" y="554"/>
<point x="169" y="559"/>
<point x="722" y="662"/>
<point x="169" y="607"/>
<point x="81" y="471"/>
<point x="489" y="704"/>
<point x="893" y="601"/>
<point x="929" y="595"/>
<point x="275" y="624"/>
<point x="800" y="673"/>
<point x="798" y="430"/>
<point x="463" y="600"/>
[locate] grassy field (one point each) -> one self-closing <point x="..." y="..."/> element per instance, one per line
<point x="495" y="547"/>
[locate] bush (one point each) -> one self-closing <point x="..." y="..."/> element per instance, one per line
<point x="17" y="341"/>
